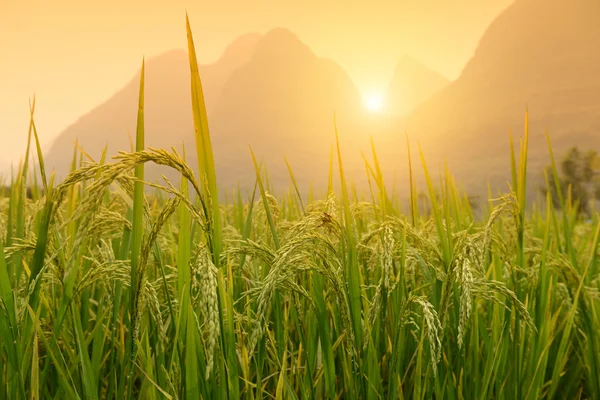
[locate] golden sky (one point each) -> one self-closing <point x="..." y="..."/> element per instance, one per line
<point x="74" y="54"/>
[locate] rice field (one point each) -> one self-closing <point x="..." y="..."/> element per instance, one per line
<point x="112" y="287"/>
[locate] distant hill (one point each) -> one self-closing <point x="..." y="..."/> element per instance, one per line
<point x="273" y="93"/>
<point x="544" y="55"/>
<point x="168" y="113"/>
<point x="282" y="102"/>
<point x="412" y="84"/>
<point x="268" y="91"/>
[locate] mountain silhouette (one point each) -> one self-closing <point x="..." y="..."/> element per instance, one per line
<point x="282" y="102"/>
<point x="168" y="111"/>
<point x="273" y="93"/>
<point x="412" y="84"/>
<point x="539" y="55"/>
<point x="267" y="91"/>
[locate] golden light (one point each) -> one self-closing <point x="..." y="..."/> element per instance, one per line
<point x="374" y="102"/>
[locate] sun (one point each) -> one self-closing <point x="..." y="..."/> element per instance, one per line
<point x="374" y="102"/>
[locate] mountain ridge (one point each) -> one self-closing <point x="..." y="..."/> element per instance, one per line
<point x="541" y="59"/>
<point x="262" y="91"/>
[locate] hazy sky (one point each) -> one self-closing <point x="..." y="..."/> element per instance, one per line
<point x="73" y="54"/>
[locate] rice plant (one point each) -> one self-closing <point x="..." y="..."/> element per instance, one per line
<point x="112" y="287"/>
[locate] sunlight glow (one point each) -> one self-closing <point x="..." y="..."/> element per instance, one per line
<point x="374" y="102"/>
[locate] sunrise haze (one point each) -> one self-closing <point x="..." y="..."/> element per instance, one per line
<point x="75" y="54"/>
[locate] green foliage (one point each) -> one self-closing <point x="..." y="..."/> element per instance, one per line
<point x="579" y="178"/>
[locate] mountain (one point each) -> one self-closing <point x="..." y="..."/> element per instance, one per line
<point x="168" y="112"/>
<point x="412" y="84"/>
<point x="267" y="91"/>
<point x="282" y="102"/>
<point x="538" y="54"/>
